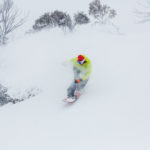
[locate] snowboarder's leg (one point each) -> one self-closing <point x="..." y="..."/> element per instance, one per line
<point x="81" y="85"/>
<point x="79" y="88"/>
<point x="71" y="90"/>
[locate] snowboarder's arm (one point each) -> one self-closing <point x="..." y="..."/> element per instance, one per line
<point x="87" y="74"/>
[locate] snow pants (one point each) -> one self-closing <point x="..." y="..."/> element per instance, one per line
<point x="76" y="87"/>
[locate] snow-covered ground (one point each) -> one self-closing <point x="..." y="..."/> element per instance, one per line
<point x="112" y="114"/>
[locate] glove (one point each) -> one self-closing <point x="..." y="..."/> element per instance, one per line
<point x="78" y="80"/>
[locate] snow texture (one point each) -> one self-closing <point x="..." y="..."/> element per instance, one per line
<point x="112" y="114"/>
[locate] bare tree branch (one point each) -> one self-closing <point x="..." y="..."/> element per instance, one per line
<point x="143" y="15"/>
<point x="9" y="19"/>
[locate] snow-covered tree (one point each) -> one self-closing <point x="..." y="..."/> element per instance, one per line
<point x="61" y="19"/>
<point x="54" y="19"/>
<point x="102" y="13"/>
<point x="42" y="22"/>
<point x="9" y="19"/>
<point x="81" y="18"/>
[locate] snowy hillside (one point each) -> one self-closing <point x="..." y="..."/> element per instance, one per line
<point x="112" y="114"/>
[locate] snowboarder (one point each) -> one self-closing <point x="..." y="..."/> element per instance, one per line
<point x="82" y="71"/>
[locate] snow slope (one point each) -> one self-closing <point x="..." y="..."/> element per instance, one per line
<point x="112" y="114"/>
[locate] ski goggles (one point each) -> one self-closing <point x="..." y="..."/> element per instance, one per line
<point x="81" y="62"/>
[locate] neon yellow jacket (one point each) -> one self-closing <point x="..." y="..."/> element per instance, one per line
<point x="85" y="69"/>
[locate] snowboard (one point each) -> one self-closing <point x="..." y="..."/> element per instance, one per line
<point x="72" y="100"/>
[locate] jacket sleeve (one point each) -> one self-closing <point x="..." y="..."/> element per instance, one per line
<point x="88" y="72"/>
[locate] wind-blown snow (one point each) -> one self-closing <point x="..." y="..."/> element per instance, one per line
<point x="113" y="112"/>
